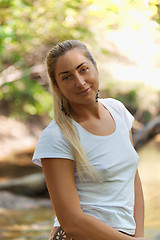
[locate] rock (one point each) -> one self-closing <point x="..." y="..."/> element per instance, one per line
<point x="19" y="137"/>
<point x="17" y="202"/>
<point x="33" y="184"/>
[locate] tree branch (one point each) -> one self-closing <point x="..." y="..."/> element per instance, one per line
<point x="147" y="132"/>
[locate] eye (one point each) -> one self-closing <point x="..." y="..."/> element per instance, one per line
<point x="84" y="69"/>
<point x="66" y="77"/>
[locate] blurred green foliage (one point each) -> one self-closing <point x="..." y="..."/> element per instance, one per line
<point x="26" y="25"/>
<point x="26" y="97"/>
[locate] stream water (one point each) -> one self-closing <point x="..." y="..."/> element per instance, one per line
<point x="36" y="223"/>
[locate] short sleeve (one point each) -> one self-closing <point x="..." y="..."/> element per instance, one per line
<point x="122" y="111"/>
<point x="127" y="116"/>
<point x="52" y="144"/>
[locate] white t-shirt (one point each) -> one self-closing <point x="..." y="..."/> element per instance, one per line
<point x="112" y="200"/>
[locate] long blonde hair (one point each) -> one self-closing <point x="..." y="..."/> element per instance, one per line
<point x="63" y="118"/>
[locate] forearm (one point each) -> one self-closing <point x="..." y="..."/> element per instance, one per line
<point x="139" y="208"/>
<point x="139" y="203"/>
<point x="89" y="227"/>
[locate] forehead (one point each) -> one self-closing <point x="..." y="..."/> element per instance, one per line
<point x="71" y="60"/>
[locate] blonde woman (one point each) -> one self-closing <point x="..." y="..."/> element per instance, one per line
<point x="87" y="154"/>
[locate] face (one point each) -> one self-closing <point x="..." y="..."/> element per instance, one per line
<point x="77" y="77"/>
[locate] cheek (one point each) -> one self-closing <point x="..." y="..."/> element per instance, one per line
<point x="93" y="74"/>
<point x="94" y="78"/>
<point x="65" y="89"/>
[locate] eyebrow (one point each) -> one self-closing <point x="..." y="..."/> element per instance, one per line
<point x="76" y="68"/>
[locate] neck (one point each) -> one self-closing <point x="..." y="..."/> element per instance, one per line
<point x="83" y="112"/>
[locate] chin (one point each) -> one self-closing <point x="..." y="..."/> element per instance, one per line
<point x="89" y="101"/>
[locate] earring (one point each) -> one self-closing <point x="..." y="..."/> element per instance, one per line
<point x="63" y="109"/>
<point x="97" y="96"/>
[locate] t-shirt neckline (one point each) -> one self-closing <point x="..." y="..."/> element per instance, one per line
<point x="100" y="136"/>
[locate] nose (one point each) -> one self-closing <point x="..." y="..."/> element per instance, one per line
<point x="79" y="81"/>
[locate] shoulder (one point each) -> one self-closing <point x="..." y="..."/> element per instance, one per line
<point x="52" y="144"/>
<point x="120" y="109"/>
<point x="52" y="131"/>
<point x="52" y="135"/>
<point x="114" y="103"/>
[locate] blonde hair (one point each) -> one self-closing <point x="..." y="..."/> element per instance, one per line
<point x="63" y="118"/>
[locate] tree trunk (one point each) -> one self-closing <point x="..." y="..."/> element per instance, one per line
<point x="147" y="132"/>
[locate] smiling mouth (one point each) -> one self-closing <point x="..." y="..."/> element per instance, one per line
<point x="84" y="91"/>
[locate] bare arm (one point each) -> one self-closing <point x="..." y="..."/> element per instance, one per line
<point x="139" y="204"/>
<point x="59" y="174"/>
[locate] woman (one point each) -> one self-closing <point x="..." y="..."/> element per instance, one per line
<point x="87" y="155"/>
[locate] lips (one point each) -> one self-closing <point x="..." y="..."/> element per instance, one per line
<point x="84" y="91"/>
